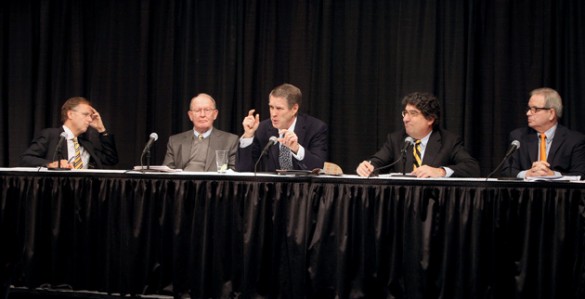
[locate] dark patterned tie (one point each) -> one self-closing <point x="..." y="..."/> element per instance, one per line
<point x="416" y="154"/>
<point x="285" y="158"/>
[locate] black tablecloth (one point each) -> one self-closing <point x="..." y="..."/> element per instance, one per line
<point x="220" y="236"/>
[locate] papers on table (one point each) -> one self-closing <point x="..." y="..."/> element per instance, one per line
<point x="554" y="178"/>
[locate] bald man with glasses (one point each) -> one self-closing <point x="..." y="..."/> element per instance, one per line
<point x="547" y="147"/>
<point x="194" y="150"/>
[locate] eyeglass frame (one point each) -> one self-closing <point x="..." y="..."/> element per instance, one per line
<point x="84" y="114"/>
<point x="412" y="113"/>
<point x="205" y="111"/>
<point x="534" y="109"/>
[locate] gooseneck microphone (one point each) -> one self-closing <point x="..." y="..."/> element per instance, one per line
<point x="407" y="142"/>
<point x="271" y="141"/>
<point x="514" y="146"/>
<point x="146" y="151"/>
<point x="57" y="153"/>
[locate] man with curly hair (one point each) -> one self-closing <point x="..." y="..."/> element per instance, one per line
<point x="435" y="153"/>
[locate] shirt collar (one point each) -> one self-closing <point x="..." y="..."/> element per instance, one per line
<point x="205" y="135"/>
<point x="550" y="133"/>
<point x="69" y="132"/>
<point x="292" y="127"/>
<point x="425" y="140"/>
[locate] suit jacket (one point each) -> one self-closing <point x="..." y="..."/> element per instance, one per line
<point x="566" y="154"/>
<point x="312" y="135"/>
<point x="444" y="149"/>
<point x="102" y="150"/>
<point x="179" y="149"/>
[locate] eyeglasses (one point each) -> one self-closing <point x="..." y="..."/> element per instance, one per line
<point x="205" y="111"/>
<point x="411" y="113"/>
<point x="536" y="109"/>
<point x="85" y="114"/>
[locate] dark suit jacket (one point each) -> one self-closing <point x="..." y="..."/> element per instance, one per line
<point x="312" y="135"/>
<point x="444" y="149"/>
<point x="179" y="149"/>
<point x="566" y="154"/>
<point x="41" y="151"/>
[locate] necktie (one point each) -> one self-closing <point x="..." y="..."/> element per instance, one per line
<point x="416" y="154"/>
<point x="77" y="163"/>
<point x="285" y="158"/>
<point x="542" y="147"/>
<point x="200" y="137"/>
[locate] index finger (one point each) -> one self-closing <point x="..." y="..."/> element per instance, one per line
<point x="251" y="112"/>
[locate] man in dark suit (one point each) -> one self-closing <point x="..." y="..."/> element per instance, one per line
<point x="547" y="148"/>
<point x="79" y="151"/>
<point x="302" y="139"/>
<point x="194" y="150"/>
<point x="436" y="153"/>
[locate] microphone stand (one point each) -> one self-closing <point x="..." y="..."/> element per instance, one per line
<point x="258" y="161"/>
<point x="403" y="157"/>
<point x="147" y="154"/>
<point x="272" y="141"/>
<point x="498" y="167"/>
<point x="57" y="157"/>
<point x="403" y="161"/>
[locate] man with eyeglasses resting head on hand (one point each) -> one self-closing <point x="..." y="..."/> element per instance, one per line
<point x="194" y="150"/>
<point x="82" y="149"/>
<point x="436" y="153"/>
<point x="548" y="148"/>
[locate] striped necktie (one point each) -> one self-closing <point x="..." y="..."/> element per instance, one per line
<point x="77" y="163"/>
<point x="416" y="153"/>
<point x="542" y="147"/>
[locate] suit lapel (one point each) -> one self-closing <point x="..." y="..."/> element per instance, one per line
<point x="213" y="145"/>
<point x="64" y="150"/>
<point x="88" y="147"/>
<point x="432" y="149"/>
<point x="275" y="149"/>
<point x="186" y="145"/>
<point x="558" y="140"/>
<point x="300" y="129"/>
<point x="532" y="145"/>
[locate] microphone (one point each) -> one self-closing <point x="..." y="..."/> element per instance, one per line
<point x="57" y="152"/>
<point x="407" y="142"/>
<point x="271" y="141"/>
<point x="146" y="151"/>
<point x="514" y="146"/>
<point x="151" y="140"/>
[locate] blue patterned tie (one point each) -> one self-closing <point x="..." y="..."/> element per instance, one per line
<point x="285" y="158"/>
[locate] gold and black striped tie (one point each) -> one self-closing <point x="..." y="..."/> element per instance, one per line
<point x="416" y="154"/>
<point x="77" y="163"/>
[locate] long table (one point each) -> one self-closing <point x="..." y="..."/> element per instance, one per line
<point x="281" y="236"/>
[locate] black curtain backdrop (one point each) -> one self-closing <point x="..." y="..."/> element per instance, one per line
<point x="140" y="62"/>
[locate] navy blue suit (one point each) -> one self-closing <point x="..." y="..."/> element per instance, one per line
<point x="444" y="149"/>
<point x="566" y="154"/>
<point x="42" y="149"/>
<point x="312" y="135"/>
